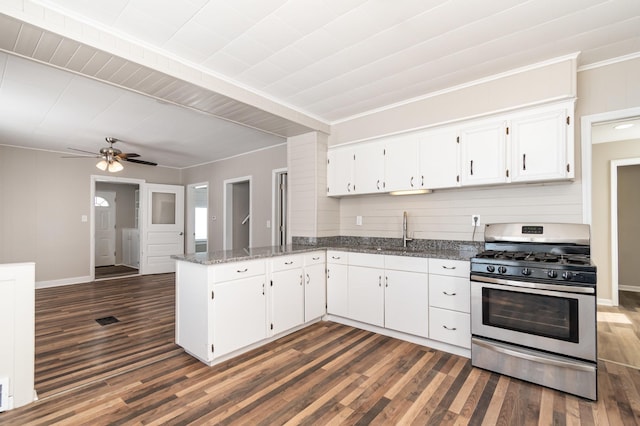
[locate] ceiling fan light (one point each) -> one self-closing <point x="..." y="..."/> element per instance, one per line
<point x="115" y="166"/>
<point x="102" y="165"/>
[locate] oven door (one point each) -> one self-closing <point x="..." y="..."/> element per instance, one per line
<point x="555" y="318"/>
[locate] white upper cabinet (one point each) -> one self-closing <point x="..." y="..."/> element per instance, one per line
<point x="483" y="152"/>
<point x="369" y="168"/>
<point x="539" y="147"/>
<point x="401" y="163"/>
<point x="530" y="145"/>
<point x="439" y="158"/>
<point x="340" y="171"/>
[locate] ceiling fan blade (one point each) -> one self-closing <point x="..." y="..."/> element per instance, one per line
<point x="81" y="156"/>
<point x="133" y="160"/>
<point x="125" y="155"/>
<point x="82" y="150"/>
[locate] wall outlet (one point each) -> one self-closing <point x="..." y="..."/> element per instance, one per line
<point x="359" y="220"/>
<point x="475" y="220"/>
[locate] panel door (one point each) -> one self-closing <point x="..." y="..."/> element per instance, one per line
<point x="163" y="231"/>
<point x="239" y="314"/>
<point x="439" y="158"/>
<point x="483" y="152"/>
<point x="315" y="294"/>
<point x="406" y="302"/>
<point x="366" y="295"/>
<point x="337" y="289"/>
<point x="539" y="146"/>
<point x="105" y="228"/>
<point x="287" y="299"/>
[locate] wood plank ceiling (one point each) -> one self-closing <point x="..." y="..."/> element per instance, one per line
<point x="288" y="67"/>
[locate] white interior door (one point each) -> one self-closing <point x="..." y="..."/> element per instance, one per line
<point x="163" y="231"/>
<point x="105" y="210"/>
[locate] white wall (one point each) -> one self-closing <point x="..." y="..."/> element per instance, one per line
<point x="259" y="165"/>
<point x="42" y="199"/>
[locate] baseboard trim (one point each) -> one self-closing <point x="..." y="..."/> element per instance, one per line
<point x="605" y="302"/>
<point x="633" y="288"/>
<point x="62" y="282"/>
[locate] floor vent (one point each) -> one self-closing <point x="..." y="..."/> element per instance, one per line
<point x="107" y="320"/>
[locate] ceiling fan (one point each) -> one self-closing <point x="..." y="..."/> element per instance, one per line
<point x="110" y="157"/>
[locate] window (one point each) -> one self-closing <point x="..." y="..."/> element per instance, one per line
<point x="100" y="202"/>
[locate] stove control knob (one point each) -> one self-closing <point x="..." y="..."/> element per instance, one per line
<point x="552" y="274"/>
<point x="566" y="275"/>
<point x="491" y="268"/>
<point x="526" y="271"/>
<point x="502" y="269"/>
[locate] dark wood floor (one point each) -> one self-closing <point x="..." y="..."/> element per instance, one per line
<point x="113" y="271"/>
<point x="619" y="330"/>
<point x="325" y="374"/>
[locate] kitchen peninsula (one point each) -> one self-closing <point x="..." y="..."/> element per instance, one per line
<point x="229" y="302"/>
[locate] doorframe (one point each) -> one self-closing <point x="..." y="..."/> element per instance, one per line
<point x="614" y="224"/>
<point x="190" y="224"/>
<point x="586" y="123"/>
<point x="227" y="199"/>
<point x="92" y="215"/>
<point x="274" y="204"/>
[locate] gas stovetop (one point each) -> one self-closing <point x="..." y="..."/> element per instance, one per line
<point x="566" y="259"/>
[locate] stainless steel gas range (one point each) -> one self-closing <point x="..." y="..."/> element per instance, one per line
<point x="533" y="305"/>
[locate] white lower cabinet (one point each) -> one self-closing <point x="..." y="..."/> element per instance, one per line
<point x="337" y="283"/>
<point x="449" y="298"/>
<point x="239" y="316"/>
<point x="315" y="293"/>
<point x="287" y="299"/>
<point x="406" y="306"/>
<point x="365" y="298"/>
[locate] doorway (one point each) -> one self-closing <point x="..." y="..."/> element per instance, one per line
<point x="237" y="213"/>
<point x="280" y="207"/>
<point x="197" y="217"/>
<point x="117" y="237"/>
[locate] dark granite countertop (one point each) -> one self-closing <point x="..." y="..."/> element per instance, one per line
<point x="443" y="251"/>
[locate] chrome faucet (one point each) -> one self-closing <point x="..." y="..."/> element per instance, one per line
<point x="405" y="238"/>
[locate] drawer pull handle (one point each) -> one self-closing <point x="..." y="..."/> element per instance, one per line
<point x="449" y="294"/>
<point x="243" y="270"/>
<point x="450" y="329"/>
<point x="316" y="258"/>
<point x="448" y="267"/>
<point x="308" y="279"/>
<point x="336" y="257"/>
<point x="289" y="263"/>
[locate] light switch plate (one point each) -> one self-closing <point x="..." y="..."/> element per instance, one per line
<point x="359" y="220"/>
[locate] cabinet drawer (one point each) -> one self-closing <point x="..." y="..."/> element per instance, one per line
<point x="366" y="260"/>
<point x="455" y="268"/>
<point x="450" y="327"/>
<point x="449" y="292"/>
<point x="406" y="263"/>
<point x="338" y="257"/>
<point x="282" y="263"/>
<point x="237" y="270"/>
<point x="314" y="258"/>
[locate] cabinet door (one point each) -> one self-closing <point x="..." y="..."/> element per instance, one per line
<point x="315" y="299"/>
<point x="287" y="300"/>
<point x="539" y="146"/>
<point x="483" y="149"/>
<point x="239" y="314"/>
<point x="401" y="163"/>
<point x="406" y="302"/>
<point x="369" y="168"/>
<point x="439" y="158"/>
<point x="337" y="289"/>
<point x="340" y="167"/>
<point x="366" y="295"/>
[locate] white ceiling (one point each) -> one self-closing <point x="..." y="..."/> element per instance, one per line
<point x="327" y="59"/>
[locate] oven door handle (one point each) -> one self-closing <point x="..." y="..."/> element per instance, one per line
<point x="531" y="357"/>
<point x="538" y="286"/>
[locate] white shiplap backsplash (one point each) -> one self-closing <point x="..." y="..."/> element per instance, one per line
<point x="446" y="214"/>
